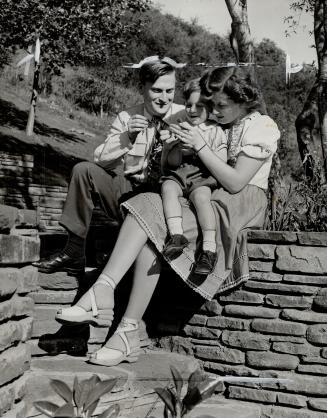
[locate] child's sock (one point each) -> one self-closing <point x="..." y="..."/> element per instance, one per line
<point x="209" y="240"/>
<point x="175" y="225"/>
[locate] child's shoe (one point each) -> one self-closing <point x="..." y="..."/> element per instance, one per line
<point x="175" y="246"/>
<point x="205" y="263"/>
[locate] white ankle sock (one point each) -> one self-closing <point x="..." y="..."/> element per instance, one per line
<point x="209" y="240"/>
<point x="175" y="225"/>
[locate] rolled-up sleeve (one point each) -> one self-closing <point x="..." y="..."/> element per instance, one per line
<point x="117" y="143"/>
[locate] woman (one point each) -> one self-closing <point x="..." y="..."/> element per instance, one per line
<point x="239" y="204"/>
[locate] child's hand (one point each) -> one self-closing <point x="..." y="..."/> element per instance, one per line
<point x="188" y="135"/>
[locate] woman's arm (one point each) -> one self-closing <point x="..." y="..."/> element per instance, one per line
<point x="232" y="179"/>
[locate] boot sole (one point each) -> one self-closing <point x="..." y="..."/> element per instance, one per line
<point x="69" y="271"/>
<point x="132" y="358"/>
<point x="92" y="322"/>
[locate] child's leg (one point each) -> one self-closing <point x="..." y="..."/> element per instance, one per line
<point x="201" y="199"/>
<point x="171" y="191"/>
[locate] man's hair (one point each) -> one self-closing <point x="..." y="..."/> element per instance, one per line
<point x="238" y="84"/>
<point x="194" y="86"/>
<point x="151" y="71"/>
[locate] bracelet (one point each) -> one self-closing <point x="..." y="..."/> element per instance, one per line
<point x="198" y="150"/>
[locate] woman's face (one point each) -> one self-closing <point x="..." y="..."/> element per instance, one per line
<point x="226" y="110"/>
<point x="196" y="110"/>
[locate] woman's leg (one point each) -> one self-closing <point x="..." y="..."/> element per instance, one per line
<point x="146" y="276"/>
<point x="130" y="241"/>
<point x="124" y="344"/>
<point x="201" y="199"/>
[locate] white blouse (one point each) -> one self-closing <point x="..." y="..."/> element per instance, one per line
<point x="256" y="136"/>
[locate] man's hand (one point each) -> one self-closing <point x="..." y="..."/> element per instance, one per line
<point x="136" y="124"/>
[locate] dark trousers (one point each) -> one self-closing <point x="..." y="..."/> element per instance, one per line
<point x="90" y="183"/>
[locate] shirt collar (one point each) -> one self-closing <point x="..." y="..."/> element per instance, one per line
<point x="167" y="115"/>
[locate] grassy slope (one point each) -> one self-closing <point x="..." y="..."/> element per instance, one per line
<point x="58" y="141"/>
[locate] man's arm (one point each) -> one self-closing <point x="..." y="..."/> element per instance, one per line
<point x="117" y="143"/>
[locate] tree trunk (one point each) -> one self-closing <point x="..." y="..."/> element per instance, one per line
<point x="305" y="123"/>
<point x="240" y="37"/>
<point x="316" y="104"/>
<point x="31" y="115"/>
<point x="320" y="31"/>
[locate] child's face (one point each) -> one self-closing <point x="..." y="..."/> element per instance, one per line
<point x="226" y="110"/>
<point x="196" y="110"/>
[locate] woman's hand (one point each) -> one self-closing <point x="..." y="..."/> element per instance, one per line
<point x="188" y="135"/>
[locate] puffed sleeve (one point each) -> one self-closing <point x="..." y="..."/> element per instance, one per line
<point x="260" y="136"/>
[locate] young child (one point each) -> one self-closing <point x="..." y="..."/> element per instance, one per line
<point x="185" y="175"/>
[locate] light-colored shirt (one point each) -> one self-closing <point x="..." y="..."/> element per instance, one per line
<point x="256" y="136"/>
<point x="118" y="148"/>
<point x="214" y="137"/>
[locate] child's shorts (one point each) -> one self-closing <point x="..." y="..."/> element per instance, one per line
<point x="190" y="177"/>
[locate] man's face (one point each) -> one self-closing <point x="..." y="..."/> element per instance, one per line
<point x="159" y="96"/>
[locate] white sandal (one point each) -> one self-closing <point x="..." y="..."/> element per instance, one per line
<point x="124" y="345"/>
<point x="97" y="317"/>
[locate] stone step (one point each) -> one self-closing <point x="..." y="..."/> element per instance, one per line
<point x="11" y="217"/>
<point x="17" y="249"/>
<point x="135" y="386"/>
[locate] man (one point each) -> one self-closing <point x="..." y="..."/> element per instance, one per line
<point x="127" y="162"/>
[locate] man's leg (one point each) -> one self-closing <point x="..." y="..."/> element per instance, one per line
<point x="87" y="181"/>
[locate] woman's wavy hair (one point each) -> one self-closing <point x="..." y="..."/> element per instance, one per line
<point x="193" y="86"/>
<point x="237" y="83"/>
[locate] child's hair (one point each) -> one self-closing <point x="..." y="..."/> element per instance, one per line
<point x="236" y="83"/>
<point x="193" y="86"/>
<point x="151" y="71"/>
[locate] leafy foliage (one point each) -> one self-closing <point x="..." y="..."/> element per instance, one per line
<point x="301" y="206"/>
<point x="199" y="388"/>
<point x="80" y="402"/>
<point x="71" y="31"/>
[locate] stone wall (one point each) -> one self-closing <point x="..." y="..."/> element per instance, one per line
<point x="20" y="188"/>
<point x="274" y="325"/>
<point x="18" y="247"/>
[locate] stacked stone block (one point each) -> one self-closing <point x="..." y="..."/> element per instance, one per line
<point x="18" y="247"/>
<point x="18" y="188"/>
<point x="274" y="325"/>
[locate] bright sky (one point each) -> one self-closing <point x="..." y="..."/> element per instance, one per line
<point x="266" y="18"/>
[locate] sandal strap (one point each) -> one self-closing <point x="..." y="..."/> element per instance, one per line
<point x="105" y="279"/>
<point x="94" y="305"/>
<point x="125" y="341"/>
<point x="122" y="332"/>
